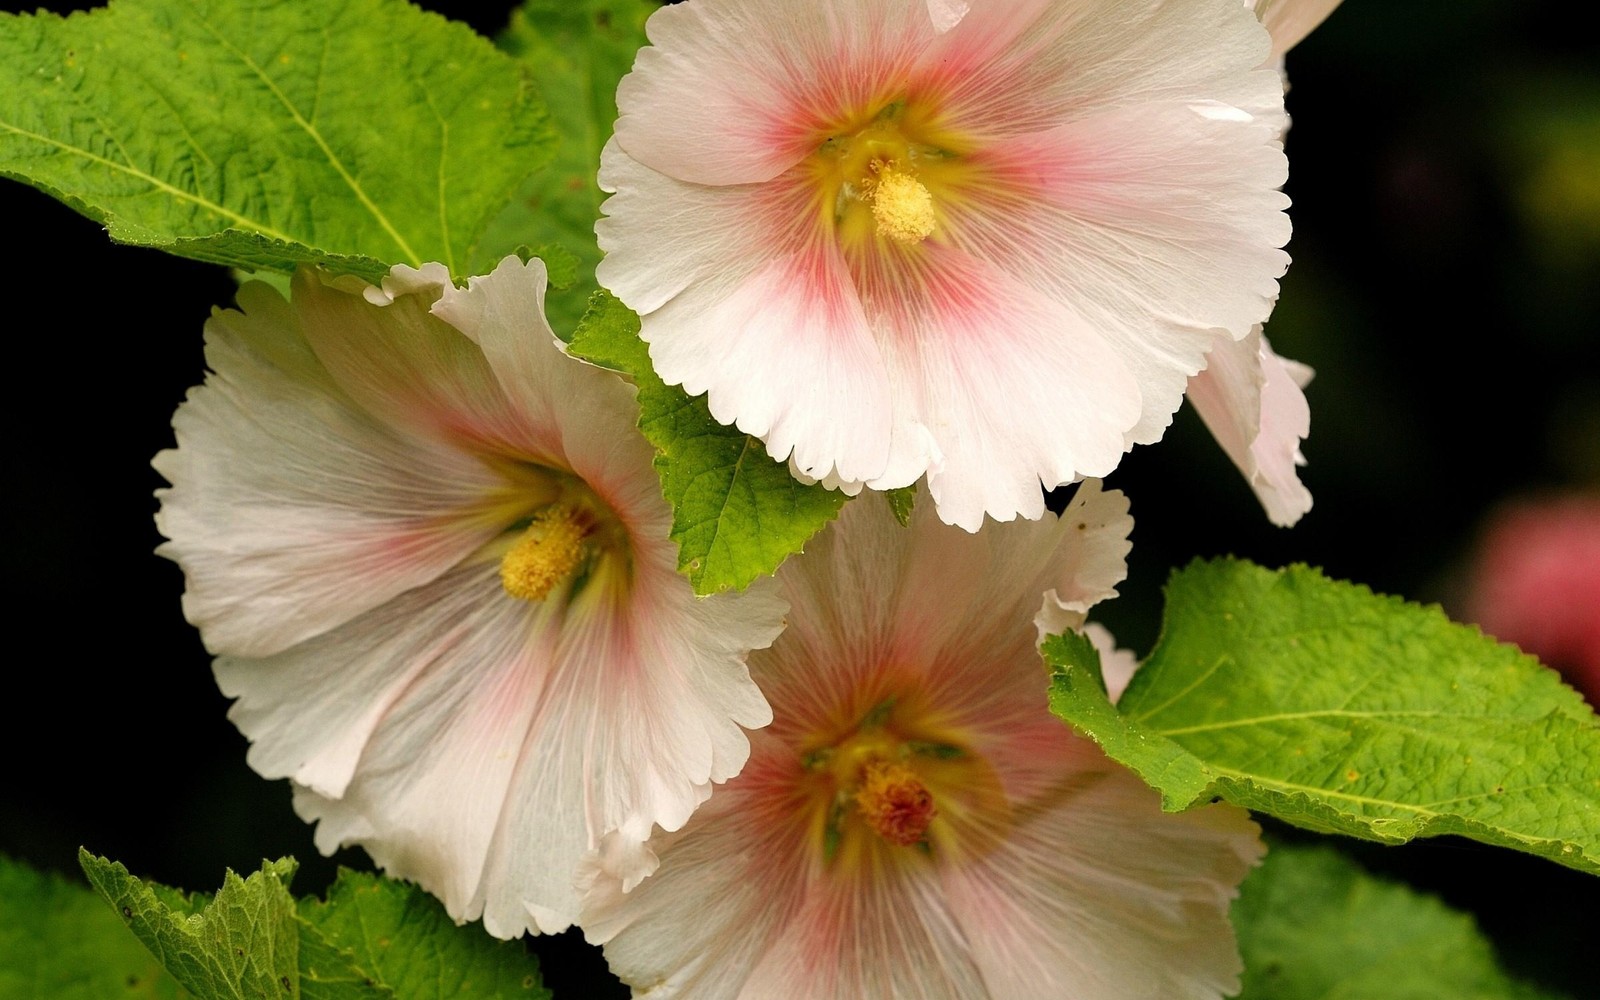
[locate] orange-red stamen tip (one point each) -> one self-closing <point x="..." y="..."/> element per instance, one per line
<point x="895" y="803"/>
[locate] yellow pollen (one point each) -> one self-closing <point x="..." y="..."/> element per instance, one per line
<point x="546" y="554"/>
<point x="895" y="803"/>
<point x="902" y="207"/>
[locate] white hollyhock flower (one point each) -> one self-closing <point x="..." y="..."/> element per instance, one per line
<point x="431" y="555"/>
<point x="915" y="824"/>
<point x="986" y="242"/>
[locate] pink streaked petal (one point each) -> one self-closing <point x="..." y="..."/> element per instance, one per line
<point x="1251" y="400"/>
<point x="768" y="78"/>
<point x="435" y="771"/>
<point x="293" y="510"/>
<point x="1015" y="387"/>
<point x="755" y="308"/>
<point x="311" y="710"/>
<point x="885" y="934"/>
<point x="738" y="865"/>
<point x="585" y="416"/>
<point x="1290" y="21"/>
<point x="408" y="368"/>
<point x="1159" y="225"/>
<point x="934" y="596"/>
<point x="1016" y="68"/>
<point x="1096" y="887"/>
<point x="643" y="714"/>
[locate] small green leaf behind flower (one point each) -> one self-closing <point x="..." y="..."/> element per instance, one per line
<point x="1339" y="710"/>
<point x="736" y="513"/>
<point x="1314" y="924"/>
<point x="577" y="51"/>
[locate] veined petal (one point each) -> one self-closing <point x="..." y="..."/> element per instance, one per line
<point x="1015" y="388"/>
<point x="1153" y="223"/>
<point x="1251" y="400"/>
<point x="413" y="370"/>
<point x="292" y="509"/>
<point x="643" y="715"/>
<point x="311" y="710"/>
<point x="1027" y="66"/>
<point x="1142" y="895"/>
<point x="433" y="771"/>
<point x="767" y="77"/>
<point x="757" y="312"/>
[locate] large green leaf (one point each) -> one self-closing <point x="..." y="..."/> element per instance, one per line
<point x="1314" y="926"/>
<point x="59" y="941"/>
<point x="1340" y="710"/>
<point x="265" y="133"/>
<point x="736" y="514"/>
<point x="576" y="50"/>
<point x="373" y="939"/>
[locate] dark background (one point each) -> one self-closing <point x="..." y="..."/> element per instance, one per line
<point x="1445" y="170"/>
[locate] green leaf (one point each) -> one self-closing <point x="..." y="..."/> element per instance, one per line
<point x="262" y="134"/>
<point x="1339" y="710"/>
<point x="577" y="51"/>
<point x="244" y="943"/>
<point x="901" y="502"/>
<point x="402" y="938"/>
<point x="58" y="941"/>
<point x="1313" y="925"/>
<point x="373" y="939"/>
<point x="736" y="514"/>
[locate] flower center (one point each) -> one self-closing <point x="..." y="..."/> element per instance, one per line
<point x="883" y="175"/>
<point x="894" y="803"/>
<point x="902" y="208"/>
<point x="551" y="548"/>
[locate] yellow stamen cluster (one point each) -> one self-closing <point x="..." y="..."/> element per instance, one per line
<point x="546" y="554"/>
<point x="902" y="208"/>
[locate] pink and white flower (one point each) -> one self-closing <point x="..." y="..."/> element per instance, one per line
<point x="1250" y="398"/>
<point x="915" y="823"/>
<point x="984" y="241"/>
<point x="431" y="555"/>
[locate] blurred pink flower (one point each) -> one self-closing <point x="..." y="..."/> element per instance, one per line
<point x="431" y="555"/>
<point x="985" y="242"/>
<point x="915" y="824"/>
<point x="1535" y="581"/>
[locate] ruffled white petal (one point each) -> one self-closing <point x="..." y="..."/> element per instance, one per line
<point x="1160" y="225"/>
<point x="1012" y="386"/>
<point x="1251" y="400"/>
<point x="293" y="509"/>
